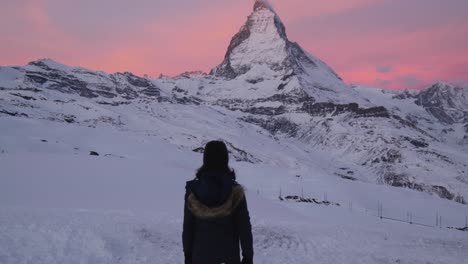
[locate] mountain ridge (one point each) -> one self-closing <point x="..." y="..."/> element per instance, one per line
<point x="403" y="139"/>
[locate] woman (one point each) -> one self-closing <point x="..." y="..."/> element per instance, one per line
<point x="216" y="217"/>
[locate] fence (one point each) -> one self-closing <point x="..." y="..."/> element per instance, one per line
<point x="409" y="219"/>
<point x="439" y="223"/>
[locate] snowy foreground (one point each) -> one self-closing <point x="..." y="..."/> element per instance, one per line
<point x="58" y="204"/>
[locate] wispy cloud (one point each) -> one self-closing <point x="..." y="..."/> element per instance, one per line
<point x="384" y="68"/>
<point x="410" y="81"/>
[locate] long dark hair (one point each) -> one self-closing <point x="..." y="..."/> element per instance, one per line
<point x="215" y="159"/>
<point x="202" y="170"/>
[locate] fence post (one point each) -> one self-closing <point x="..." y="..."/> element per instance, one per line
<point x="380" y="209"/>
<point x="440" y="221"/>
<point x="437" y="218"/>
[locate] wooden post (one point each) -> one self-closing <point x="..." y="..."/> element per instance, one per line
<point x="380" y="209"/>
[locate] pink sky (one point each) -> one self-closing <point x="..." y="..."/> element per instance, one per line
<point x="387" y="43"/>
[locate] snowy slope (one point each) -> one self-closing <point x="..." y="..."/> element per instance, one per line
<point x="292" y="127"/>
<point x="267" y="92"/>
<point x="69" y="207"/>
<point x="446" y="102"/>
<point x="439" y="109"/>
<point x="378" y="144"/>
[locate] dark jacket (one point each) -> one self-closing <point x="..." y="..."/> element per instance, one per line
<point x="216" y="219"/>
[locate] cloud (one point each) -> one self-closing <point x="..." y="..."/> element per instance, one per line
<point x="31" y="34"/>
<point x="384" y="68"/>
<point x="383" y="83"/>
<point x="410" y="81"/>
<point x="456" y="70"/>
<point x="460" y="83"/>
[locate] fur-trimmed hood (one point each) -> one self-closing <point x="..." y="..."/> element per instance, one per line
<point x="202" y="211"/>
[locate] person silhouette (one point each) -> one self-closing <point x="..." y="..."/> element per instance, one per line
<point x="216" y="217"/>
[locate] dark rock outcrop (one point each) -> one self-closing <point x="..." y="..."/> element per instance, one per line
<point x="225" y="70"/>
<point x="274" y="125"/>
<point x="417" y="143"/>
<point x="13" y="113"/>
<point x="324" y="109"/>
<point x="25" y="97"/>
<point x="404" y="181"/>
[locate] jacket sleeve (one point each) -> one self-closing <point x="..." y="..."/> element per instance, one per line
<point x="187" y="232"/>
<point x="245" y="231"/>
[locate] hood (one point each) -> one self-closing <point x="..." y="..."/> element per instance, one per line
<point x="200" y="210"/>
<point x="213" y="188"/>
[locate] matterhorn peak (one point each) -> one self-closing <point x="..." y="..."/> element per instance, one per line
<point x="261" y="41"/>
<point x="262" y="4"/>
<point x="262" y="51"/>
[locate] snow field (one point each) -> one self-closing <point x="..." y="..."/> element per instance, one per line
<point x="60" y="205"/>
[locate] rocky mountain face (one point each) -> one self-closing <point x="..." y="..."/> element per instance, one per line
<point x="262" y="55"/>
<point x="449" y="104"/>
<point x="267" y="90"/>
<point x="48" y="74"/>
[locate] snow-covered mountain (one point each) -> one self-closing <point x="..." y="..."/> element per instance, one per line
<point x="93" y="165"/>
<point x="261" y="56"/>
<point x="267" y="94"/>
<point x="449" y="104"/>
